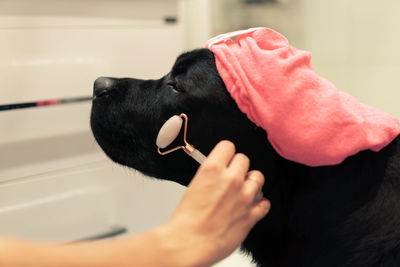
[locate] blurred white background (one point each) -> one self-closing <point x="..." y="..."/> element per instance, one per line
<point x="353" y="43"/>
<point x="55" y="183"/>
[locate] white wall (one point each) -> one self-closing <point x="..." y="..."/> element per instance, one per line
<point x="55" y="183"/>
<point x="353" y="43"/>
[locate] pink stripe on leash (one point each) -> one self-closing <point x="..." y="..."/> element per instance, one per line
<point x="48" y="102"/>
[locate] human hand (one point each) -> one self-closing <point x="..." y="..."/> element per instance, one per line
<point x="222" y="203"/>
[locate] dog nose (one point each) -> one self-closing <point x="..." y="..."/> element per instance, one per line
<point x="102" y="85"/>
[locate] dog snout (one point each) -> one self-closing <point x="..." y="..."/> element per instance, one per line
<point x="102" y="86"/>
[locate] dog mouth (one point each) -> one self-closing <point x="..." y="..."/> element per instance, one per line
<point x="100" y="94"/>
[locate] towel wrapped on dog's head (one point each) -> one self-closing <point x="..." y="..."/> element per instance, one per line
<point x="307" y="119"/>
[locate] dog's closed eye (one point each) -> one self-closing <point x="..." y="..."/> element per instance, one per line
<point x="174" y="86"/>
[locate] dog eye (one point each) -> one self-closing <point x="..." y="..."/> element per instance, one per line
<point x="175" y="87"/>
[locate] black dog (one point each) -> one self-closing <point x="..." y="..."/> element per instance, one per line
<point x="343" y="215"/>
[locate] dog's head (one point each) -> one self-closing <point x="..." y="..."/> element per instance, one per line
<point x="128" y="113"/>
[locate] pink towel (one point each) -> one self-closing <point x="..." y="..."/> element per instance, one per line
<point x="307" y="119"/>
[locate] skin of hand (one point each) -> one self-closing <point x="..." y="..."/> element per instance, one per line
<point x="222" y="203"/>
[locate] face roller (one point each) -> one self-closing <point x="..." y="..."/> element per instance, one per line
<point x="168" y="133"/>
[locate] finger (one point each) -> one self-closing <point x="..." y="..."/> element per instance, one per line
<point x="257" y="177"/>
<point x="259" y="197"/>
<point x="252" y="188"/>
<point x="222" y="153"/>
<point x="259" y="210"/>
<point x="239" y="166"/>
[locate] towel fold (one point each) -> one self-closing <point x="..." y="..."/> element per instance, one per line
<point x="307" y="119"/>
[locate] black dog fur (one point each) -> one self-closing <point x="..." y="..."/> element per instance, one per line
<point x="343" y="215"/>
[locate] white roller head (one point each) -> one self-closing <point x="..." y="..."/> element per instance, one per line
<point x="169" y="131"/>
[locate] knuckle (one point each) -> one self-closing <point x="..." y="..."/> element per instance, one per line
<point x="259" y="176"/>
<point x="242" y="157"/>
<point x="227" y="144"/>
<point x="257" y="173"/>
<point x="212" y="166"/>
